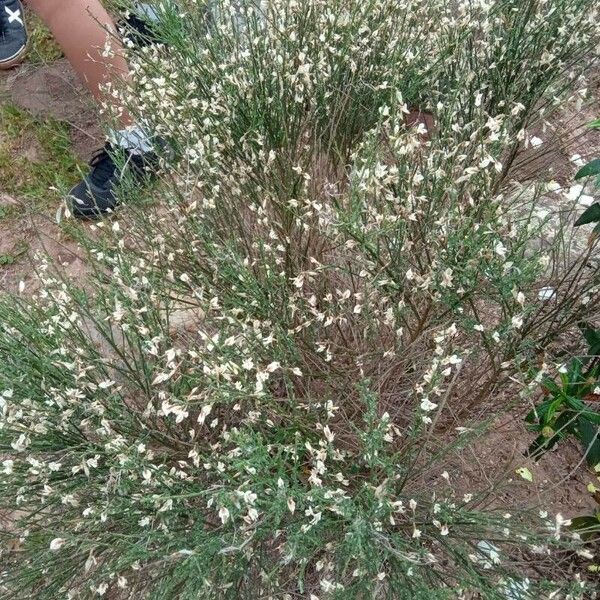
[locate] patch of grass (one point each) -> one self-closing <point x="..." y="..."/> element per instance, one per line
<point x="9" y="258"/>
<point x="35" y="156"/>
<point x="7" y="212"/>
<point x="42" y="46"/>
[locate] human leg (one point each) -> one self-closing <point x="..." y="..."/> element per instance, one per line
<point x="81" y="29"/>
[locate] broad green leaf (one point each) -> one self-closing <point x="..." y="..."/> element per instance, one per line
<point x="565" y="423"/>
<point x="590" y="521"/>
<point x="590" y="215"/>
<point x="592" y="168"/>
<point x="589" y="434"/>
<point x="551" y="386"/>
<point x="584" y="410"/>
<point x="592" y="337"/>
<point x="585" y="526"/>
<point x="541" y="445"/>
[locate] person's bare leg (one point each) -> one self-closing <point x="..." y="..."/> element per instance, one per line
<point x="79" y="28"/>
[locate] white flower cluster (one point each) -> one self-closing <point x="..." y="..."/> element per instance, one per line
<point x="243" y="396"/>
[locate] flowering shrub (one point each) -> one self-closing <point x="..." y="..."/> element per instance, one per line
<point x="256" y="391"/>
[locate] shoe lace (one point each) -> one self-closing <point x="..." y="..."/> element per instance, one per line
<point x="102" y="165"/>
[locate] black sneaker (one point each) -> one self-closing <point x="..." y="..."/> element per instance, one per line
<point x="13" y="33"/>
<point x="97" y="194"/>
<point x="139" y="25"/>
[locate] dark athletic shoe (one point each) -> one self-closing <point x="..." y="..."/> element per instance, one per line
<point x="139" y="25"/>
<point x="97" y="194"/>
<point x="13" y="33"/>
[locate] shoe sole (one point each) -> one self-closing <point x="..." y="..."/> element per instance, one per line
<point x="15" y="60"/>
<point x="90" y="215"/>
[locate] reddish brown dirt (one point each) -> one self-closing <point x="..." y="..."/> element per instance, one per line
<point x="47" y="91"/>
<point x="38" y="234"/>
<point x="54" y="91"/>
<point x="560" y="477"/>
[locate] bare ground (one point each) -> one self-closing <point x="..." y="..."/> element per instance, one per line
<point x="44" y="91"/>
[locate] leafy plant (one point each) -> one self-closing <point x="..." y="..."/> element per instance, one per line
<point x="568" y="406"/>
<point x="592" y="213"/>
<point x="587" y="526"/>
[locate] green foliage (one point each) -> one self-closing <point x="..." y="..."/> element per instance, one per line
<point x="568" y="406"/>
<point x="592" y="213"/>
<point x="588" y="526"/>
<point x="35" y="156"/>
<point x="255" y="392"/>
<point x="592" y="168"/>
<point x="565" y="409"/>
